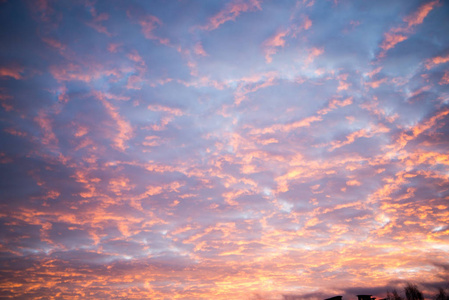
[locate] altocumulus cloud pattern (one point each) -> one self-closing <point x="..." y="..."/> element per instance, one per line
<point x="243" y="149"/>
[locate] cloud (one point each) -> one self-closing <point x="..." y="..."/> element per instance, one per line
<point x="12" y="72"/>
<point x="445" y="79"/>
<point x="274" y="42"/>
<point x="418" y="16"/>
<point x="399" y="34"/>
<point x="49" y="138"/>
<point x="149" y="24"/>
<point x="430" y="63"/>
<point x="313" y="53"/>
<point x="199" y="50"/>
<point x="75" y="72"/>
<point x="97" y="19"/>
<point x="124" y="128"/>
<point x="276" y="158"/>
<point x="278" y="40"/>
<point x="230" y="13"/>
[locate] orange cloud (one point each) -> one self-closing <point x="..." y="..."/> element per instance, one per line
<point x="367" y="133"/>
<point x="124" y="128"/>
<point x="353" y="182"/>
<point x="120" y="185"/>
<point x="399" y="34"/>
<point x="413" y="132"/>
<point x="430" y="63"/>
<point x="418" y="17"/>
<point x="391" y="40"/>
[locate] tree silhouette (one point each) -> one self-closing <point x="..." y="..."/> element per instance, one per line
<point x="412" y="292"/>
<point x="442" y="295"/>
<point x="393" y="295"/>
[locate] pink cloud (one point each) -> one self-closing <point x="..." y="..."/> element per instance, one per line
<point x="307" y="23"/>
<point x="199" y="50"/>
<point x="445" y="79"/>
<point x="230" y="12"/>
<point x="11" y="71"/>
<point x="45" y="123"/>
<point x="111" y="96"/>
<point x="168" y="115"/>
<point x="5" y="159"/>
<point x="16" y="132"/>
<point x="54" y="43"/>
<point x="134" y="56"/>
<point x="113" y="47"/>
<point x="273" y="43"/>
<point x="149" y="25"/>
<point x="4" y="99"/>
<point x="342" y="83"/>
<point x="166" y="109"/>
<point x="253" y="83"/>
<point x="377" y="83"/>
<point x="71" y="72"/>
<point x="134" y="82"/>
<point x="374" y="72"/>
<point x="81" y="131"/>
<point x="313" y="53"/>
<point x="151" y="141"/>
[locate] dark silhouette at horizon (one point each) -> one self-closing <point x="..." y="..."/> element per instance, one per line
<point x="411" y="292"/>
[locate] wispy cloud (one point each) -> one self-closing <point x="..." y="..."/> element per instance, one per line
<point x="401" y="33"/>
<point x="231" y="11"/>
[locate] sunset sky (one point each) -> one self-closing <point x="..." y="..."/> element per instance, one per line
<point x="243" y="149"/>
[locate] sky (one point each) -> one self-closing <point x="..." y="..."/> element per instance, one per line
<point x="242" y="149"/>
